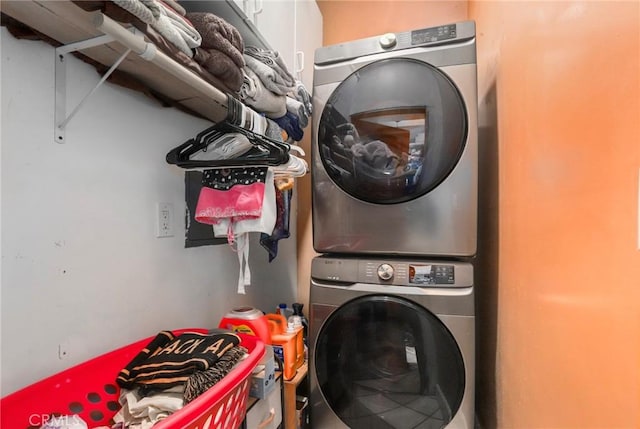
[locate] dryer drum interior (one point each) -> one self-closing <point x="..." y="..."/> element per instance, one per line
<point x="392" y="131"/>
<point x="386" y="362"/>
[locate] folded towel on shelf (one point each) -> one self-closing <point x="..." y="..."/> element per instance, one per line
<point x="301" y="94"/>
<point x="110" y="9"/>
<point x="173" y="4"/>
<point x="253" y="93"/>
<point x="153" y="6"/>
<point x="273" y="130"/>
<point x="169" y="24"/>
<point x="189" y="62"/>
<point x="219" y="35"/>
<point x="248" y="88"/>
<point x="182" y="26"/>
<point x="297" y="108"/>
<point x="137" y="8"/>
<point x="273" y="60"/>
<point x="271" y="77"/>
<point x="289" y="123"/>
<point x="220" y="65"/>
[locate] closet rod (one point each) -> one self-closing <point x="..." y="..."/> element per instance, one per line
<point x="149" y="52"/>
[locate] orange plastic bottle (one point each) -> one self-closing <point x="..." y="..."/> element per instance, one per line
<point x="247" y="320"/>
<point x="297" y="327"/>
<point x="288" y="345"/>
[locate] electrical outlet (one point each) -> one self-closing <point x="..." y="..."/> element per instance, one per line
<point x="62" y="352"/>
<point x="164" y="220"/>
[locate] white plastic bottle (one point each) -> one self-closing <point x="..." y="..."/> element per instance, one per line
<point x="284" y="310"/>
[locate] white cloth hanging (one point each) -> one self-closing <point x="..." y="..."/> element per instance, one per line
<point x="237" y="232"/>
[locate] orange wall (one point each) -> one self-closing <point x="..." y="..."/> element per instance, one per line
<point x="562" y="79"/>
<point x="559" y="287"/>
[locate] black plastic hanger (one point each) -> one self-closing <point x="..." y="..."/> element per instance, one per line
<point x="266" y="151"/>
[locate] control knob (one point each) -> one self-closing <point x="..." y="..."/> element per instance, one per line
<point x="388" y="40"/>
<point x="385" y="272"/>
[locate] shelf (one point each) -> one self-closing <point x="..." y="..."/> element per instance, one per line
<point x="67" y="23"/>
<point x="290" y="396"/>
<point x="252" y="399"/>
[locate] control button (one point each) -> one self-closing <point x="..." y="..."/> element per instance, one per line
<point x="385" y="272"/>
<point x="388" y="40"/>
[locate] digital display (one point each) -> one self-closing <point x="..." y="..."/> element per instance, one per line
<point x="434" y="34"/>
<point x="429" y="274"/>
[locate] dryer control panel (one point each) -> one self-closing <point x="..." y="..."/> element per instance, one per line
<point x="435" y="34"/>
<point x="417" y="273"/>
<point x="459" y="32"/>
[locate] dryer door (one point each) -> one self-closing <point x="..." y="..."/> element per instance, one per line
<point x="392" y="131"/>
<point x="384" y="361"/>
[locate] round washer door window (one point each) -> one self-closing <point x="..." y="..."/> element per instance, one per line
<point x="384" y="361"/>
<point x="392" y="131"/>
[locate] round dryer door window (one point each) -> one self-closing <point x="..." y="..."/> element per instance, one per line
<point x="392" y="131"/>
<point x="384" y="361"/>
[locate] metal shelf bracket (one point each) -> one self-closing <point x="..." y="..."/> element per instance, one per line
<point x="60" y="115"/>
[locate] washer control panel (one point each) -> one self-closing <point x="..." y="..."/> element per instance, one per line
<point x="396" y="272"/>
<point x="412" y="274"/>
<point x="385" y="271"/>
<point x="431" y="274"/>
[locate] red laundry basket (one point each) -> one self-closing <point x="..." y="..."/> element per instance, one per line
<point x="89" y="390"/>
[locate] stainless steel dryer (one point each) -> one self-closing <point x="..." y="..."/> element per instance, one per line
<point x="394" y="153"/>
<point x="392" y="344"/>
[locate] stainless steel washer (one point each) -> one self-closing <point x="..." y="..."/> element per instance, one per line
<point x="392" y="344"/>
<point x="394" y="152"/>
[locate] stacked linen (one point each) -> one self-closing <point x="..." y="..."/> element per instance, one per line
<point x="270" y="89"/>
<point x="266" y="82"/>
<point x="271" y="69"/>
<point x="220" y="51"/>
<point x="170" y="23"/>
<point x="290" y="123"/>
<point x="255" y="94"/>
<point x="299" y="104"/>
<point x="184" y="58"/>
<point x="299" y="109"/>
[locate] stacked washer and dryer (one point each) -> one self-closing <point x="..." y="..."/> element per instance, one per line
<point x="394" y="173"/>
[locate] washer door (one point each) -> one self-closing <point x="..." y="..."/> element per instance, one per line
<point x="386" y="362"/>
<point x="392" y="131"/>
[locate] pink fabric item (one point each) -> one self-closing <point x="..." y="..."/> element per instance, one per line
<point x="240" y="202"/>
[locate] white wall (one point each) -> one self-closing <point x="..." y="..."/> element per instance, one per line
<point x="82" y="270"/>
